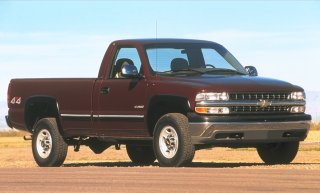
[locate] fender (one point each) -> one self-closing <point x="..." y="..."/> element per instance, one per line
<point x="159" y="105"/>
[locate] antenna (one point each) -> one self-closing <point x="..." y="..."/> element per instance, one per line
<point x="156" y="48"/>
<point x="156" y="29"/>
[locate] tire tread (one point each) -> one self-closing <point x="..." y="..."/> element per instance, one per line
<point x="282" y="153"/>
<point x="60" y="147"/>
<point x="186" y="156"/>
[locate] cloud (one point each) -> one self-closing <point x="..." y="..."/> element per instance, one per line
<point x="279" y="54"/>
<point x="51" y="54"/>
<point x="263" y="38"/>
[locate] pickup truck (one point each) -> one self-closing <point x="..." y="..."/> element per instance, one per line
<point x="164" y="99"/>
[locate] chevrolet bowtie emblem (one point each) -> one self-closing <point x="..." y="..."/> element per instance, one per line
<point x="264" y="103"/>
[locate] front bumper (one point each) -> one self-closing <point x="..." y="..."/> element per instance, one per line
<point x="226" y="130"/>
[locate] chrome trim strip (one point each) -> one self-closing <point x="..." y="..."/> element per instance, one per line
<point x="102" y="116"/>
<point x="75" y="115"/>
<point x="250" y="103"/>
<point x="119" y="116"/>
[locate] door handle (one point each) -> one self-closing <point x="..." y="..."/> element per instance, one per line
<point x="104" y="90"/>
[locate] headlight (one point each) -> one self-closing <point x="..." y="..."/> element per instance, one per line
<point x="212" y="96"/>
<point x="297" y="96"/>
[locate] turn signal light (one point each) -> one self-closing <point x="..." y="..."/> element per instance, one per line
<point x="297" y="109"/>
<point x="212" y="110"/>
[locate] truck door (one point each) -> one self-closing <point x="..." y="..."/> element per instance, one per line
<point x="121" y="101"/>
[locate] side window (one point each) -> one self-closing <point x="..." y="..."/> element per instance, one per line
<point x="125" y="56"/>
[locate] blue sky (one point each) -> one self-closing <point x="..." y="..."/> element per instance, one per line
<point x="69" y="38"/>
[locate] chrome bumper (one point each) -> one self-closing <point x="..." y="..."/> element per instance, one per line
<point x="242" y="132"/>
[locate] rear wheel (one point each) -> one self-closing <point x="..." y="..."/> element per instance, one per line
<point x="141" y="155"/>
<point x="278" y="153"/>
<point x="48" y="146"/>
<point x="172" y="141"/>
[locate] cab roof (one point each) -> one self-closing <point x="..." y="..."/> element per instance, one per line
<point x="159" y="40"/>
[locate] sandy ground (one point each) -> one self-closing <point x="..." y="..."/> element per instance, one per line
<point x="17" y="153"/>
<point x="213" y="170"/>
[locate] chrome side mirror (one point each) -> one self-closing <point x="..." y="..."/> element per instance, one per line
<point x="129" y="71"/>
<point x="252" y="71"/>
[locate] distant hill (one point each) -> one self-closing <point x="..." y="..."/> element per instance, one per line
<point x="313" y="108"/>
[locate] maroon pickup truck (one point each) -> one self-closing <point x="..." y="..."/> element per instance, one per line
<point x="163" y="99"/>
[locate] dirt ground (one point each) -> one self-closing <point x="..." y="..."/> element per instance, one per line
<point x="155" y="179"/>
<point x="17" y="153"/>
<point x="212" y="170"/>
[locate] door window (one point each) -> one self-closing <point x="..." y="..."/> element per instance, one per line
<point x="125" y="56"/>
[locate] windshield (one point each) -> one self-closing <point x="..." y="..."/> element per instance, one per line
<point x="192" y="58"/>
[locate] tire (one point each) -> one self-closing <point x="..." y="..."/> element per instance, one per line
<point x="172" y="141"/>
<point x="141" y="155"/>
<point x="278" y="153"/>
<point x="48" y="146"/>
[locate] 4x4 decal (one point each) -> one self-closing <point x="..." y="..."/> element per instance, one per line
<point x="16" y="100"/>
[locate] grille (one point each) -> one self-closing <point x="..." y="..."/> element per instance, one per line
<point x="257" y="109"/>
<point x="258" y="96"/>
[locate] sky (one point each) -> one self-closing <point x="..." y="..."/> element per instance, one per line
<point x="69" y="38"/>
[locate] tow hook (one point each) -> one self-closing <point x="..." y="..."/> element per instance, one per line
<point x="27" y="137"/>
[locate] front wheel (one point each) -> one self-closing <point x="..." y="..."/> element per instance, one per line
<point x="48" y="146"/>
<point x="141" y="154"/>
<point x="278" y="153"/>
<point x="172" y="141"/>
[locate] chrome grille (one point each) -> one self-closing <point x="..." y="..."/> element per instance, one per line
<point x="259" y="96"/>
<point x="257" y="109"/>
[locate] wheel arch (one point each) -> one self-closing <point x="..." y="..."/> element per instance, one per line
<point x="163" y="104"/>
<point x="38" y="107"/>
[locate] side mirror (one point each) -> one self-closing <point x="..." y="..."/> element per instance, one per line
<point x="252" y="71"/>
<point x="129" y="71"/>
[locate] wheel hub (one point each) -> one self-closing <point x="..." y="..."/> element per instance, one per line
<point x="44" y="143"/>
<point x="168" y="142"/>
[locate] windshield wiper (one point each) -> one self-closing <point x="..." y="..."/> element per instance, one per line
<point x="224" y="70"/>
<point x="187" y="70"/>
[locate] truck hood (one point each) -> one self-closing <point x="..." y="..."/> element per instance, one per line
<point x="223" y="83"/>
